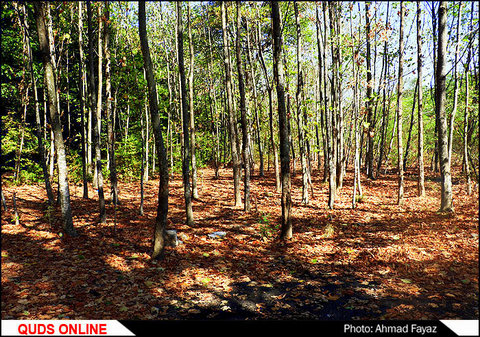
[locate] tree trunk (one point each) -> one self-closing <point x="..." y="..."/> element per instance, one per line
<point x="232" y="120"/>
<point x="440" y="97"/>
<point x="50" y="85"/>
<point x="405" y="158"/>
<point x="332" y="181"/>
<point x="455" y="85"/>
<point x="186" y="118"/>
<point x="300" y="120"/>
<point x="38" y="123"/>
<point x="255" y="102"/>
<point x="286" y="226"/>
<point x="162" y="208"/>
<point x="192" y="109"/>
<point x="421" y="169"/>
<point x="97" y="120"/>
<point x="81" y="98"/>
<point x="467" y="112"/>
<point x="109" y="113"/>
<point x="370" y="134"/>
<point x="243" y="112"/>
<point x="400" y="108"/>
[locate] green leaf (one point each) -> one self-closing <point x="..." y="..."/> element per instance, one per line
<point x="406" y="280"/>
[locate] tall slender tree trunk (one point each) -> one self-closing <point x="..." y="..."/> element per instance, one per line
<point x="270" y="113"/>
<point x="186" y="118"/>
<point x="286" y="226"/>
<point x="455" y="85"/>
<point x="51" y="87"/>
<point x="109" y="112"/>
<point x="370" y="134"/>
<point x="232" y="120"/>
<point x="193" y="143"/>
<point x="300" y="120"/>
<point x="38" y="123"/>
<point x="440" y="97"/>
<point x="331" y="139"/>
<point x="467" y="110"/>
<point x="81" y="98"/>
<point x="409" y="137"/>
<point x="97" y="133"/>
<point x="255" y="102"/>
<point x="162" y="207"/>
<point x="243" y="112"/>
<point x="421" y="169"/>
<point x="400" y="108"/>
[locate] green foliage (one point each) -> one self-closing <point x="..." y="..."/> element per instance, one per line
<point x="267" y="228"/>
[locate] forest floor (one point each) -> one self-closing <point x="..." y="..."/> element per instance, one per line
<point x="378" y="261"/>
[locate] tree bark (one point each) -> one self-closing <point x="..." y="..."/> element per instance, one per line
<point x="286" y="226"/>
<point x="370" y="135"/>
<point x="400" y="108"/>
<point x="440" y="97"/>
<point x="186" y="118"/>
<point x="162" y="208"/>
<point x="421" y="169"/>
<point x="51" y="87"/>
<point x="38" y="124"/>
<point x="231" y="113"/>
<point x="192" y="109"/>
<point x="109" y="112"/>
<point x="81" y="98"/>
<point x="97" y="120"/>
<point x="455" y="85"/>
<point x="243" y="112"/>
<point x="301" y="123"/>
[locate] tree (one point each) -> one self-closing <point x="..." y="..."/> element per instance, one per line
<point x="81" y="97"/>
<point x="162" y="207"/>
<point x="232" y="120"/>
<point x="369" y="103"/>
<point x="186" y="119"/>
<point x="400" y="107"/>
<point x="39" y="130"/>
<point x="243" y="112"/>
<point x="286" y="226"/>
<point x="193" y="144"/>
<point x="440" y="98"/>
<point x="50" y="85"/>
<point x="421" y="170"/>
<point x="109" y="112"/>
<point x="301" y="122"/>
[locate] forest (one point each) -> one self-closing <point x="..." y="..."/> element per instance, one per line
<point x="240" y="160"/>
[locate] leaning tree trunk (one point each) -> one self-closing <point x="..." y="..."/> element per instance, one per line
<point x="455" y="85"/>
<point x="162" y="208"/>
<point x="440" y="100"/>
<point x="39" y="130"/>
<point x="51" y="87"/>
<point x="286" y="228"/>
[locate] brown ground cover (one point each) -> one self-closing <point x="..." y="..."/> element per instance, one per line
<point x="378" y="261"/>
